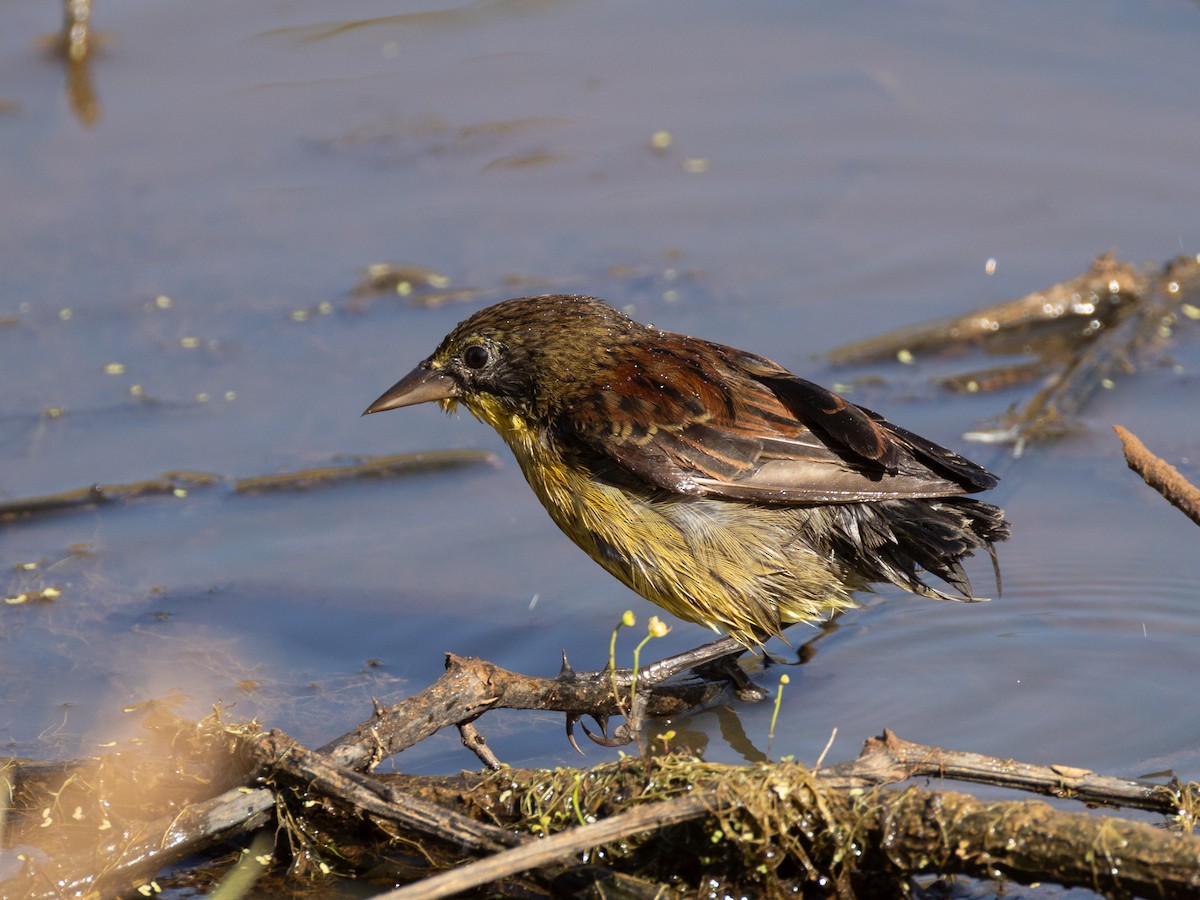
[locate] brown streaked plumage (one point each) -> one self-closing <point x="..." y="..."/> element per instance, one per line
<point x="712" y="481"/>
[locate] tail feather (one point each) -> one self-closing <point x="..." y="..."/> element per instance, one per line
<point x="901" y="539"/>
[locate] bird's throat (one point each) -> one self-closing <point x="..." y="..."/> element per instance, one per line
<point x="510" y="425"/>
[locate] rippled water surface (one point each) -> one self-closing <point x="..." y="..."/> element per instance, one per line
<point x="177" y="294"/>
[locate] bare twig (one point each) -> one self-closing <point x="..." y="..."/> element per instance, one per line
<point x="477" y="744"/>
<point x="377" y="797"/>
<point x="556" y="848"/>
<point x="892" y="759"/>
<point x="1160" y="475"/>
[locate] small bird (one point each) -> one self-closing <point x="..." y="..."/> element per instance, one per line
<point x="713" y="482"/>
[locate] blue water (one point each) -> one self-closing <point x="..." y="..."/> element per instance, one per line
<point x="833" y="171"/>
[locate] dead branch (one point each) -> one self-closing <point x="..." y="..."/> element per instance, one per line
<point x="371" y="795"/>
<point x="895" y="760"/>
<point x="807" y="826"/>
<point x="780" y="813"/>
<point x="471" y="686"/>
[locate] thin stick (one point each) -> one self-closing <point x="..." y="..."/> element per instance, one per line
<point x="1160" y="475"/>
<point x="559" y="846"/>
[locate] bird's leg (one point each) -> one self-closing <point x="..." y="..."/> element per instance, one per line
<point x="725" y="648"/>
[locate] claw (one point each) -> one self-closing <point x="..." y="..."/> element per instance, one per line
<point x="572" y="718"/>
<point x="727" y="668"/>
<point x="620" y="737"/>
<point x="726" y="649"/>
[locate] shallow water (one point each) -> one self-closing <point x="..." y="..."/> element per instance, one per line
<point x="833" y="172"/>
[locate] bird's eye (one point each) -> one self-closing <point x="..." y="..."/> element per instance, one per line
<point x="475" y="356"/>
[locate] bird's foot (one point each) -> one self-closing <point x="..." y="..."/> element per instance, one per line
<point x="715" y="663"/>
<point x="727" y="668"/>
<point x="623" y="735"/>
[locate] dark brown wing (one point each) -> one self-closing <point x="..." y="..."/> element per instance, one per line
<point x="704" y="419"/>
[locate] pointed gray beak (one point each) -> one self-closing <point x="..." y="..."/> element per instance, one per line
<point x="421" y="385"/>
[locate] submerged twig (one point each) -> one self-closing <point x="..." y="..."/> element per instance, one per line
<point x="76" y="41"/>
<point x="366" y="467"/>
<point x="1160" y="475"/>
<point x="175" y="484"/>
<point x="178" y="484"/>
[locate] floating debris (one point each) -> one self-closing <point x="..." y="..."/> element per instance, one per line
<point x="399" y="278"/>
<point x="1101" y="294"/>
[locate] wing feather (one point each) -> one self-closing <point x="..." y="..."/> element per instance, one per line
<point x="704" y="419"/>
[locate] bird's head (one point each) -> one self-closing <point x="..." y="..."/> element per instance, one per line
<point x="523" y="358"/>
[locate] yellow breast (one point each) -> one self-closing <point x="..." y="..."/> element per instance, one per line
<point x="728" y="565"/>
